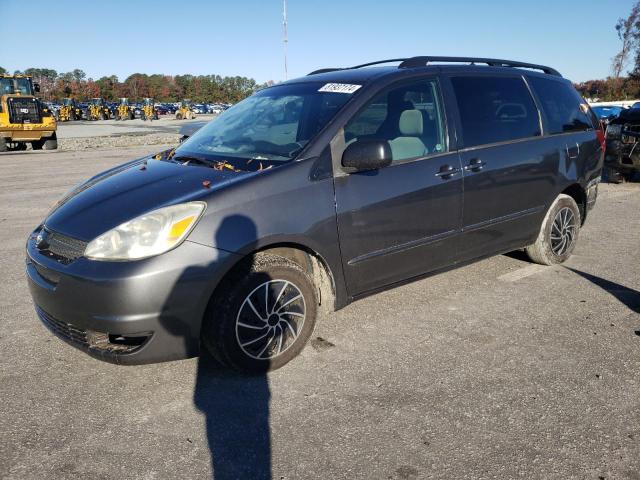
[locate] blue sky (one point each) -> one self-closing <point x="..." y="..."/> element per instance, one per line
<point x="244" y="37"/>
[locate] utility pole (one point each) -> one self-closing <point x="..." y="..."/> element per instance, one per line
<point x="286" y="39"/>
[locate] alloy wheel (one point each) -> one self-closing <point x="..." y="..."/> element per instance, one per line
<point x="563" y="231"/>
<point x="270" y="319"/>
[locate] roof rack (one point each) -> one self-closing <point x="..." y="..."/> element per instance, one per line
<point x="492" y="62"/>
<point x="414" y="62"/>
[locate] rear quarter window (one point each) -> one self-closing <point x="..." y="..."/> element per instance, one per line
<point x="563" y="107"/>
<point x="495" y="109"/>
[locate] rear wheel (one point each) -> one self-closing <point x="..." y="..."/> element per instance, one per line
<point x="38" y="144"/>
<point x="178" y="116"/>
<point x="51" y="143"/>
<point x="3" y="144"/>
<point x="262" y="316"/>
<point x="558" y="233"/>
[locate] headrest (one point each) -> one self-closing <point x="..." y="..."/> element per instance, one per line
<point x="411" y="123"/>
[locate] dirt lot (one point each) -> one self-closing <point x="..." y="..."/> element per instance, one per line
<point x="85" y="135"/>
<point x="501" y="369"/>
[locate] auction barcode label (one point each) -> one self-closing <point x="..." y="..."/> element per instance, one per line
<point x="339" y="88"/>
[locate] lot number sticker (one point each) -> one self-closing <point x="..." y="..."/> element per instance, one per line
<point x="339" y="88"/>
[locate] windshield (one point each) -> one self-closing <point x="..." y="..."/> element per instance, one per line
<point x="66" y="101"/>
<point x="23" y="86"/>
<point x="96" y="101"/>
<point x="271" y="126"/>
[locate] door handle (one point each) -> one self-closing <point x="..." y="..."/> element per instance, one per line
<point x="573" y="152"/>
<point x="447" y="171"/>
<point x="475" y="165"/>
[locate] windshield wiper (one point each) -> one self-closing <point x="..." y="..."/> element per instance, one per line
<point x="190" y="160"/>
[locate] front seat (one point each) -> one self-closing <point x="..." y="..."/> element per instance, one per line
<point x="409" y="144"/>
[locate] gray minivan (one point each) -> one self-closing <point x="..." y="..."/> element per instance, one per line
<point x="309" y="195"/>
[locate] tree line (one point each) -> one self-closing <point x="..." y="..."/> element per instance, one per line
<point x="162" y="88"/>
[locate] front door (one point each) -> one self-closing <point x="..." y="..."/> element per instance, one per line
<point x="400" y="221"/>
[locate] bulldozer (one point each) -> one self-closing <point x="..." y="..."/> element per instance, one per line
<point x="184" y="112"/>
<point x="124" y="111"/>
<point x="149" y="111"/>
<point x="69" y="110"/>
<point x="23" y="118"/>
<point x="98" y="110"/>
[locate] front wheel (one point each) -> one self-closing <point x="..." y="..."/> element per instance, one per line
<point x="262" y="316"/>
<point x="558" y="233"/>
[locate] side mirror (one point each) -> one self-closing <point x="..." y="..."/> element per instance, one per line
<point x="36" y="87"/>
<point x="366" y="154"/>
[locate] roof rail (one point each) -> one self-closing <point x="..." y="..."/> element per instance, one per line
<point x="325" y="70"/>
<point x="492" y="62"/>
<point x="424" y="61"/>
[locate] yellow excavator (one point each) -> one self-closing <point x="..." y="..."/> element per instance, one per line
<point x="23" y="118"/>
<point x="69" y="110"/>
<point x="184" y="112"/>
<point x="124" y="112"/>
<point x="98" y="110"/>
<point x="149" y="111"/>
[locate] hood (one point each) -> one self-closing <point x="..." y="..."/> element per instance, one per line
<point x="630" y="115"/>
<point x="123" y="193"/>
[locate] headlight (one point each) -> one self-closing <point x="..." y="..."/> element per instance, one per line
<point x="147" y="235"/>
<point x="613" y="131"/>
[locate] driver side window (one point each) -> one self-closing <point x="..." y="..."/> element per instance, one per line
<point x="408" y="117"/>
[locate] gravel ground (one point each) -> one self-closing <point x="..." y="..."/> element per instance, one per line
<point x="501" y="369"/>
<point x="85" y="135"/>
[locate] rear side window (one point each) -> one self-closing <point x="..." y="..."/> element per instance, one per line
<point x="563" y="107"/>
<point x="495" y="109"/>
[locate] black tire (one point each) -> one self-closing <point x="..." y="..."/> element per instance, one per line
<point x="178" y="116"/>
<point x="38" y="144"/>
<point x="233" y="325"/>
<point x="558" y="234"/>
<point x="3" y="144"/>
<point x="51" y="143"/>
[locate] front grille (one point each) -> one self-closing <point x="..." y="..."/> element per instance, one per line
<point x="60" y="247"/>
<point x="64" y="330"/>
<point x="98" y="342"/>
<point x="24" y="110"/>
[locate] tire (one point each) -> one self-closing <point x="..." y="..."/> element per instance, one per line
<point x="232" y="327"/>
<point x="38" y="144"/>
<point x="51" y="143"/>
<point x="558" y="233"/>
<point x="178" y="116"/>
<point x="3" y="144"/>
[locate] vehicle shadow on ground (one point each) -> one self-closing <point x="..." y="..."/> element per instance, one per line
<point x="235" y="405"/>
<point x="626" y="295"/>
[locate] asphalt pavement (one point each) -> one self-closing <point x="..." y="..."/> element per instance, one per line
<point x="501" y="369"/>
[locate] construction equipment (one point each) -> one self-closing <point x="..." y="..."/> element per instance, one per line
<point x="149" y="111"/>
<point x="70" y="110"/>
<point x="98" y="110"/>
<point x="124" y="112"/>
<point x="185" y="112"/>
<point x="23" y="118"/>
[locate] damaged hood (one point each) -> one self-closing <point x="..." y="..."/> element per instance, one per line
<point x="125" y="192"/>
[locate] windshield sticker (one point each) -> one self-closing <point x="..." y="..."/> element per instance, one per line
<point x="339" y="88"/>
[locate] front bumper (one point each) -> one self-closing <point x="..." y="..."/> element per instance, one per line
<point x="622" y="156"/>
<point x="128" y="312"/>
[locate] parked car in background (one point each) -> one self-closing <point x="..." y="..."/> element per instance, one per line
<point x="622" y="160"/>
<point x="311" y="194"/>
<point x="606" y="113"/>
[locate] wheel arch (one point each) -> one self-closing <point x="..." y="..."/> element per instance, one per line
<point x="314" y="264"/>
<point x="578" y="193"/>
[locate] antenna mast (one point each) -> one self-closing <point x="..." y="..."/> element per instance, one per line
<point x="286" y="39"/>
